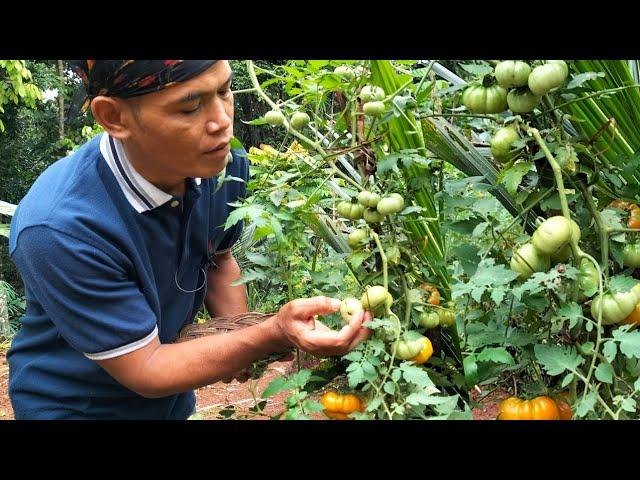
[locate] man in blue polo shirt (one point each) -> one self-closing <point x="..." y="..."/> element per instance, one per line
<point x="120" y="243"/>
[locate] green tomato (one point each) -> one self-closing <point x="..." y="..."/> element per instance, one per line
<point x="480" y="99"/>
<point x="631" y="255"/>
<point x="552" y="235"/>
<point x="562" y="64"/>
<point x="522" y="100"/>
<point x="547" y="77"/>
<point x="373" y="109"/>
<point x="357" y="238"/>
<point x="368" y="199"/>
<point x="350" y="210"/>
<point x="376" y="298"/>
<point x="393" y="203"/>
<point x="447" y="317"/>
<point x="300" y="120"/>
<point x="527" y="260"/>
<point x="371" y="93"/>
<point x="512" y="73"/>
<point x="615" y="307"/>
<point x="406" y="350"/>
<point x="502" y="144"/>
<point x="346" y="72"/>
<point x="349" y="307"/>
<point x="429" y="319"/>
<point x="588" y="278"/>
<point x="274" y="118"/>
<point x="371" y="215"/>
<point x="564" y="253"/>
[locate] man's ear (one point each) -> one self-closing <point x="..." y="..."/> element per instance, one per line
<point x="114" y="115"/>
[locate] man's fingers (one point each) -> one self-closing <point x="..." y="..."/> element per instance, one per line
<point x="308" y="307"/>
<point x="324" y="339"/>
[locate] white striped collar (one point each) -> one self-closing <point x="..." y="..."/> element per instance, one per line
<point x="141" y="193"/>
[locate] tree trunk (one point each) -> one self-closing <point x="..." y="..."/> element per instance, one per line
<point x="61" y="100"/>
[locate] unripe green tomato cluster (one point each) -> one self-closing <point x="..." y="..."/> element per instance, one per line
<point x="518" y="87"/>
<point x="549" y="241"/>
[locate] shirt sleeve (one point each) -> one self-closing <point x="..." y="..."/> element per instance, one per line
<point x="91" y="298"/>
<point x="230" y="193"/>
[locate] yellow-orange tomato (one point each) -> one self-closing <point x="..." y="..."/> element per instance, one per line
<point x="434" y="298"/>
<point x="632" y="208"/>
<point x="539" y="408"/>
<point x="340" y="406"/>
<point x="564" y="409"/>
<point x="634" y="316"/>
<point x="634" y="218"/>
<point x="425" y="353"/>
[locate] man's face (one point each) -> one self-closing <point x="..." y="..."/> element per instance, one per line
<point x="185" y="130"/>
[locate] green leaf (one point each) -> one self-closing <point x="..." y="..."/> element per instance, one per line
<point x="610" y="350"/>
<point x="470" y="371"/>
<point x="622" y="283"/>
<point x="386" y="164"/>
<point x="628" y="405"/>
<point x="570" y="311"/>
<point x="357" y="258"/>
<point x="579" y="79"/>
<point x="276" y="385"/>
<point x="519" y="338"/>
<point x="355" y="375"/>
<point x="587" y="348"/>
<point x="389" y="387"/>
<point x="583" y="407"/>
<point x="416" y="375"/>
<point x="604" y="373"/>
<point x="556" y="359"/>
<point x="479" y="334"/>
<point x="277" y="196"/>
<point x="300" y="379"/>
<point x="258" y="259"/>
<point x="249" y="275"/>
<point x="478" y="70"/>
<point x="250" y="212"/>
<point x="353" y="356"/>
<point x="497" y="355"/>
<point x="567" y="380"/>
<point x="467" y="255"/>
<point x="418" y="398"/>
<point x="312" y="406"/>
<point x="369" y="371"/>
<point x="629" y="342"/>
<point x="513" y="176"/>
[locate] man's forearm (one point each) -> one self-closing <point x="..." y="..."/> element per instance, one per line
<point x="223" y="299"/>
<point x="169" y="369"/>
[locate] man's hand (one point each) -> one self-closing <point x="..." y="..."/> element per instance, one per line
<point x="298" y="324"/>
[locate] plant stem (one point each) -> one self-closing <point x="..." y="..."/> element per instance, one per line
<point x="580" y="99"/>
<point x="383" y="257"/>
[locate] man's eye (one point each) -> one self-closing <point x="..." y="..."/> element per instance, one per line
<point x="194" y="110"/>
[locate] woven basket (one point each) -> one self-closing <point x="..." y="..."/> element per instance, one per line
<point x="219" y="325"/>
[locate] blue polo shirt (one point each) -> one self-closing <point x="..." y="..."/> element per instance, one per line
<point x="109" y="262"/>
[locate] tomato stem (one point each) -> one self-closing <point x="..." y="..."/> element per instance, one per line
<point x="383" y="257"/>
<point x="407" y="297"/>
